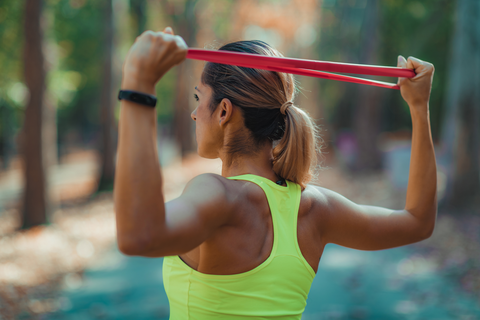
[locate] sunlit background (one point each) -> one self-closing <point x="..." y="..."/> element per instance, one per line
<point x="60" y="71"/>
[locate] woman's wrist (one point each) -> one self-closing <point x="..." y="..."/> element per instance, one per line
<point x="142" y="86"/>
<point x="419" y="110"/>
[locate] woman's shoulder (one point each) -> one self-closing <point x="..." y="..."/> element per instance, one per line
<point x="209" y="194"/>
<point x="325" y="203"/>
<point x="210" y="178"/>
<point x="235" y="193"/>
<point x="210" y="183"/>
<point x="217" y="185"/>
<point x="316" y="193"/>
<point x="319" y="198"/>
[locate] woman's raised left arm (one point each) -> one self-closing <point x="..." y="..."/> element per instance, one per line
<point x="372" y="228"/>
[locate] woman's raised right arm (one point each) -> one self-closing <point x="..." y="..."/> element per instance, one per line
<point x="145" y="224"/>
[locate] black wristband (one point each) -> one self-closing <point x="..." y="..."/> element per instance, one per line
<point x="138" y="97"/>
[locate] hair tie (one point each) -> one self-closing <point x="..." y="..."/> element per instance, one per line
<point x="284" y="107"/>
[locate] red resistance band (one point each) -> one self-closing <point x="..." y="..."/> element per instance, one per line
<point x="303" y="67"/>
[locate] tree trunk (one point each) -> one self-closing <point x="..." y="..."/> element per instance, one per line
<point x="7" y="133"/>
<point x="35" y="201"/>
<point x="182" y="124"/>
<point x="107" y="149"/>
<point x="461" y="132"/>
<point x="138" y="10"/>
<point x="366" y="122"/>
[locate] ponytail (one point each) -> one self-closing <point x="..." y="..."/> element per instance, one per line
<point x="296" y="152"/>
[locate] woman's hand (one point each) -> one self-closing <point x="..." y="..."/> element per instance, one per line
<point x="150" y="57"/>
<point x="416" y="91"/>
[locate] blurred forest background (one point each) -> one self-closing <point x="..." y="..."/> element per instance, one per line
<point x="61" y="60"/>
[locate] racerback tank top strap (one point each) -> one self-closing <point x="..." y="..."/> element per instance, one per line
<point x="284" y="203"/>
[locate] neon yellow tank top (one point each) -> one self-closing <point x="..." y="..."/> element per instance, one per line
<point x="276" y="289"/>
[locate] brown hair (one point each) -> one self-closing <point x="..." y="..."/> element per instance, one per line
<point x="260" y="94"/>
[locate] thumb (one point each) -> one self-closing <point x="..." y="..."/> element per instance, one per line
<point x="401" y="63"/>
<point x="168" y="30"/>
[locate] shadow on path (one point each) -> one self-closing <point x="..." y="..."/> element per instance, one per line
<point x="388" y="284"/>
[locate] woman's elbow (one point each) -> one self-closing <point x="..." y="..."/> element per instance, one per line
<point x="428" y="227"/>
<point x="142" y="247"/>
<point x="129" y="248"/>
<point x="133" y="244"/>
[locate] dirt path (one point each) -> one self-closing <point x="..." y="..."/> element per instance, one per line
<point x="384" y="285"/>
<point x="72" y="269"/>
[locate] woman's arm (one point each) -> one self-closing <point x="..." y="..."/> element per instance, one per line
<point x="145" y="225"/>
<point x="373" y="228"/>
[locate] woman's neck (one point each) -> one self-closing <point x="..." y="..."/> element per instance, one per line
<point x="259" y="164"/>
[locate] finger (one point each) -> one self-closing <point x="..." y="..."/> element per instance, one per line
<point x="147" y="33"/>
<point x="401" y="63"/>
<point x="417" y="65"/>
<point x="181" y="43"/>
<point x="413" y="63"/>
<point x="168" y="30"/>
<point x="183" y="48"/>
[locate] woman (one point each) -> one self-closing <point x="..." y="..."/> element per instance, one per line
<point x="248" y="243"/>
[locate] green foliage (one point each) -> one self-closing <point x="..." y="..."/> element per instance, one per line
<point x="73" y="41"/>
<point x="78" y="34"/>
<point x="11" y="41"/>
<point x="12" y="89"/>
<point x="166" y="98"/>
<point x="408" y="27"/>
<point x="422" y="29"/>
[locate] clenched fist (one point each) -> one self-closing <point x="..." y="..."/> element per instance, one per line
<point x="416" y="91"/>
<point x="150" y="57"/>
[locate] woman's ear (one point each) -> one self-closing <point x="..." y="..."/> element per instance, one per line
<point x="225" y="111"/>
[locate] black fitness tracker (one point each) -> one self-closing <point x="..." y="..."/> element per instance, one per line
<point x="138" y="97"/>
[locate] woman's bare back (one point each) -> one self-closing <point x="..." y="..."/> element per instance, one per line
<point x="247" y="240"/>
